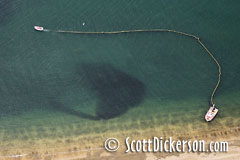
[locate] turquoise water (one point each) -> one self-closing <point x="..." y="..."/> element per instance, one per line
<point x="54" y="80"/>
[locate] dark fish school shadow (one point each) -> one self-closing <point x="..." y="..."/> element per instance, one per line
<point x="115" y="90"/>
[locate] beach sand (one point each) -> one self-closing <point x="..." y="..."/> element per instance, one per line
<point x="91" y="146"/>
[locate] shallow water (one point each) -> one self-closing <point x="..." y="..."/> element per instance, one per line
<point x="54" y="85"/>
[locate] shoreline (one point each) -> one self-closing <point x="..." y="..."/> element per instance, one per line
<point x="70" y="152"/>
<point x="56" y="139"/>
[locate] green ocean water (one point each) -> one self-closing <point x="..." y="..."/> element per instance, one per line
<point x="54" y="85"/>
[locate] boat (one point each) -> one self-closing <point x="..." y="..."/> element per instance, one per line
<point x="211" y="114"/>
<point x="38" y="28"/>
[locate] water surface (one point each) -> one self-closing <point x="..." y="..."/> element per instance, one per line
<point x="54" y="85"/>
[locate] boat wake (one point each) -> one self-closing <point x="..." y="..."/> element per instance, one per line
<point x="46" y="30"/>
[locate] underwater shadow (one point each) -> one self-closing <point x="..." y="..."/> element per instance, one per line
<point x="60" y="107"/>
<point x="115" y="90"/>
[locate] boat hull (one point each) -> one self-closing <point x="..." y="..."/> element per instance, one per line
<point x="38" y="28"/>
<point x="210" y="115"/>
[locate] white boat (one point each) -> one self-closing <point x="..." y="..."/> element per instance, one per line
<point x="38" y="28"/>
<point x="211" y="114"/>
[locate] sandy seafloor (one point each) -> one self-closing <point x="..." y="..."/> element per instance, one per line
<point x="62" y="95"/>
